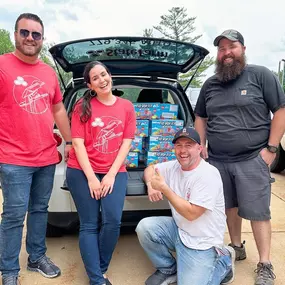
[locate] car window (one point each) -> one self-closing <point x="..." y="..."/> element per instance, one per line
<point x="193" y="94"/>
<point x="131" y="94"/>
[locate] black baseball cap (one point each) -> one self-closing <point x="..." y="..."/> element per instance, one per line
<point x="231" y="35"/>
<point x="189" y="133"/>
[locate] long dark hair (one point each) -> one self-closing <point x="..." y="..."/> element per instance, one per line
<point x="86" y="111"/>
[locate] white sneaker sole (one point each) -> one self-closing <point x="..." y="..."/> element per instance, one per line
<point x="42" y="273"/>
<point x="170" y="280"/>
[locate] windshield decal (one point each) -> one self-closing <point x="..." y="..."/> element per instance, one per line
<point x="165" y="51"/>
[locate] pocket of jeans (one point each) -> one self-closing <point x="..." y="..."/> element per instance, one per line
<point x="6" y="169"/>
<point x="262" y="160"/>
<point x="264" y="166"/>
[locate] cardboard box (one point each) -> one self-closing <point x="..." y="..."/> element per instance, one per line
<point x="158" y="157"/>
<point x="165" y="127"/>
<point x="142" y="128"/>
<point x="160" y="143"/>
<point x="168" y="111"/>
<point x="147" y="110"/>
<point x="137" y="144"/>
<point x="132" y="159"/>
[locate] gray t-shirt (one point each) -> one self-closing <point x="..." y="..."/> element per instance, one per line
<point x="238" y="113"/>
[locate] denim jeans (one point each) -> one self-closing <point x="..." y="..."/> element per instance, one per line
<point x="96" y="242"/>
<point x="159" y="237"/>
<point x="24" y="189"/>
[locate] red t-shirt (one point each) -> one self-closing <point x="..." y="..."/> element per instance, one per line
<point x="103" y="133"/>
<point x="27" y="93"/>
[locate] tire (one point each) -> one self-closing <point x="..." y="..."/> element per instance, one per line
<point x="278" y="164"/>
<point x="53" y="231"/>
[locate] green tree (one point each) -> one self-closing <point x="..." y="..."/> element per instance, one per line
<point x="6" y="44"/>
<point x="280" y="75"/>
<point x="178" y="26"/>
<point x="46" y="57"/>
<point x="148" y="33"/>
<point x="197" y="80"/>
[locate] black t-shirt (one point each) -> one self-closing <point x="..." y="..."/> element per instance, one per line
<point x="238" y="113"/>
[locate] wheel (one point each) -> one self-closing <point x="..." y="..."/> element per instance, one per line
<point x="53" y="231"/>
<point x="278" y="164"/>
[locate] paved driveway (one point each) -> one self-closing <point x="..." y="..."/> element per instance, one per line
<point x="131" y="267"/>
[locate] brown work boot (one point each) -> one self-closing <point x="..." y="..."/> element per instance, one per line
<point x="265" y="275"/>
<point x="240" y="251"/>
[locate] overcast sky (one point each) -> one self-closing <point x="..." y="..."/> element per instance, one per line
<point x="262" y="22"/>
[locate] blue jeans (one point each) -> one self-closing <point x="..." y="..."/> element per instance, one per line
<point x="159" y="236"/>
<point x="24" y="189"/>
<point x="97" y="243"/>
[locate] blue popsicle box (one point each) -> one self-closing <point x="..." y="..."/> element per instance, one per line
<point x="147" y="110"/>
<point x="165" y="127"/>
<point x="132" y="159"/>
<point x="158" y="157"/>
<point x="159" y="144"/>
<point x="168" y="111"/>
<point x="142" y="128"/>
<point x="137" y="144"/>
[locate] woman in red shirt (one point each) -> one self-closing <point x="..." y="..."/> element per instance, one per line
<point x="102" y="127"/>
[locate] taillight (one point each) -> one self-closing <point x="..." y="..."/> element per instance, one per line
<point x="59" y="157"/>
<point x="58" y="139"/>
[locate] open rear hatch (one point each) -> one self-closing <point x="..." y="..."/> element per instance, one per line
<point x="129" y="56"/>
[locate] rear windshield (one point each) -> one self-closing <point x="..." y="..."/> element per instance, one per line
<point x="135" y="49"/>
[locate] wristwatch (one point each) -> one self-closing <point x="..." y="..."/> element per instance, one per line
<point x="272" y="148"/>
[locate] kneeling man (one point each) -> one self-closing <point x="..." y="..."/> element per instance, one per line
<point x="196" y="229"/>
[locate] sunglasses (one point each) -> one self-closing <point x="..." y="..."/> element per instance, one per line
<point x="35" y="35"/>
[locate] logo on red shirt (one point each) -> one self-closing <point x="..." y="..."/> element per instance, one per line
<point x="106" y="131"/>
<point x="30" y="94"/>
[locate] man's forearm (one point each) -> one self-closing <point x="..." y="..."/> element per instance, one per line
<point x="277" y="128"/>
<point x="183" y="207"/>
<point x="62" y="122"/>
<point x="148" y="173"/>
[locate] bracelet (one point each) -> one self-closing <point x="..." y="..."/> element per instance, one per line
<point x="68" y="143"/>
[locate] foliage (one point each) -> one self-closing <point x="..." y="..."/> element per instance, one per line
<point x="6" y="44"/>
<point x="178" y="26"/>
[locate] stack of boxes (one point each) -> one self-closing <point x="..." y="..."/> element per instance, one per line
<point x="156" y="125"/>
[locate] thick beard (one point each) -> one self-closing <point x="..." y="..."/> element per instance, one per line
<point x="226" y="73"/>
<point x="19" y="47"/>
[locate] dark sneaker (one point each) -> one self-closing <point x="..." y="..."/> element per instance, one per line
<point x="44" y="266"/>
<point x="159" y="278"/>
<point x="231" y="275"/>
<point x="107" y="281"/>
<point x="265" y="275"/>
<point x="240" y="251"/>
<point x="10" y="280"/>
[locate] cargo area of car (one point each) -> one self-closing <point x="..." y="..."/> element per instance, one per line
<point x="144" y="98"/>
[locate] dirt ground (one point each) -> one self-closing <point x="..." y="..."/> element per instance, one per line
<point x="130" y="266"/>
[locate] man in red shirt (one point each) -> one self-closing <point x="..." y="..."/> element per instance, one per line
<point x="30" y="103"/>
